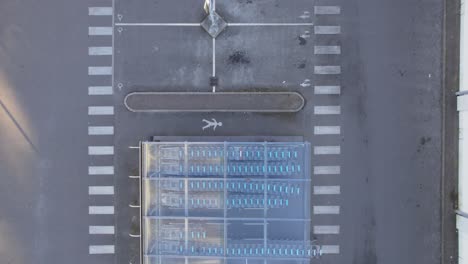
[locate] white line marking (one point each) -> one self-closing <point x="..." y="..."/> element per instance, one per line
<point x="327" y="10"/>
<point x="327" y="69"/>
<point x="330" y="249"/>
<point x="327" y="130"/>
<point x="101" y="170"/>
<point x="100" y="70"/>
<point x="327" y="209"/>
<point x="330" y="90"/>
<point x="100" y="11"/>
<point x="100" y="110"/>
<point x="160" y="24"/>
<point x="326" y="229"/>
<point x="327" y="50"/>
<point x="326" y="170"/>
<point x="327" y="30"/>
<point x="214" y="61"/>
<point x="327" y="150"/>
<point x="101" y="249"/>
<point x="99" y="51"/>
<point x="268" y="24"/>
<point x="327" y="190"/>
<point x="101" y="210"/>
<point x="101" y="150"/>
<point x="100" y="90"/>
<point x="101" y="130"/>
<point x="100" y="31"/>
<point x="101" y="230"/>
<point x="327" y="110"/>
<point x="101" y="190"/>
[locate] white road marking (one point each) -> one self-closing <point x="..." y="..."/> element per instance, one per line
<point x="100" y="110"/>
<point x="306" y="83"/>
<point x="99" y="51"/>
<point x="326" y="229"/>
<point x="327" y="10"/>
<point x="101" y="150"/>
<point x="101" y="230"/>
<point x="327" y="110"/>
<point x="100" y="70"/>
<point x="327" y="130"/>
<point x="101" y="170"/>
<point x="327" y="150"/>
<point x="100" y="11"/>
<point x="327" y="190"/>
<point x="326" y="170"/>
<point x="326" y="209"/>
<point x="329" y="69"/>
<point x="329" y="90"/>
<point x="101" y="249"/>
<point x="100" y="90"/>
<point x="268" y="24"/>
<point x="213" y="72"/>
<point x="100" y="31"/>
<point x="101" y="190"/>
<point x="330" y="249"/>
<point x="101" y="210"/>
<point x="100" y="130"/>
<point x="327" y="30"/>
<point x="327" y="50"/>
<point x="160" y="24"/>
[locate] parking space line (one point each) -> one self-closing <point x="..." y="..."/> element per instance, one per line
<point x="101" y="230"/>
<point x="326" y="229"/>
<point x="326" y="209"/>
<point x="100" y="90"/>
<point x="327" y="30"/>
<point x="326" y="170"/>
<point x="327" y="90"/>
<point x="99" y="51"/>
<point x="101" y="249"/>
<point x="327" y="10"/>
<point x="101" y="170"/>
<point x="327" y="190"/>
<point x="100" y="70"/>
<point x="327" y="130"/>
<point x="101" y="150"/>
<point x="327" y="110"/>
<point x="327" y="50"/>
<point x="328" y="69"/>
<point x="100" y="210"/>
<point x="100" y="130"/>
<point x="101" y="190"/>
<point x="100" y="110"/>
<point x="100" y="11"/>
<point x="100" y="31"/>
<point x="327" y="150"/>
<point x="330" y="249"/>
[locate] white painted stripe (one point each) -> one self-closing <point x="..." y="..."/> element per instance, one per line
<point x="269" y="24"/>
<point x="100" y="11"/>
<point x="100" y="130"/>
<point x="327" y="209"/>
<point x="329" y="69"/>
<point x="327" y="89"/>
<point x="101" y="230"/>
<point x="327" y="190"/>
<point x="100" y="31"/>
<point x="101" y="150"/>
<point x="100" y="70"/>
<point x="100" y="90"/>
<point x="327" y="130"/>
<point x="326" y="229"/>
<point x="327" y="10"/>
<point x="101" y="170"/>
<point x="160" y="24"/>
<point x="327" y="30"/>
<point x="100" y="110"/>
<point x="326" y="170"/>
<point x="327" y="110"/>
<point x="327" y="150"/>
<point x="99" y="51"/>
<point x="101" y="190"/>
<point x="101" y="249"/>
<point x="99" y="210"/>
<point x="330" y="249"/>
<point x="327" y="50"/>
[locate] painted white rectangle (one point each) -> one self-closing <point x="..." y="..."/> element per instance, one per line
<point x="327" y="209"/>
<point x="327" y="30"/>
<point x="101" y="170"/>
<point x="328" y="69"/>
<point x="100" y="31"/>
<point x="101" y="249"/>
<point x="101" y="150"/>
<point x="327" y="190"/>
<point x="327" y="150"/>
<point x="326" y="229"/>
<point x="326" y="170"/>
<point x="101" y="210"/>
<point x="99" y="51"/>
<point x="327" y="10"/>
<point x="327" y="89"/>
<point x="100" y="130"/>
<point x="330" y="249"/>
<point x="101" y="230"/>
<point x="327" y="50"/>
<point x="99" y="70"/>
<point x="327" y="130"/>
<point x="100" y="90"/>
<point x="100" y="110"/>
<point x="100" y="11"/>
<point x="101" y="190"/>
<point x="327" y="110"/>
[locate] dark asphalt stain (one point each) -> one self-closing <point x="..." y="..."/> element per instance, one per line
<point x="301" y="64"/>
<point x="424" y="140"/>
<point x="302" y="41"/>
<point x="238" y="57"/>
